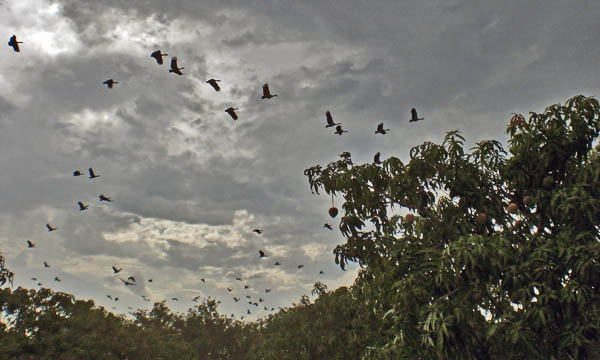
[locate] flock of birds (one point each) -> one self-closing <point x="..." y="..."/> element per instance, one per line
<point x="214" y="83"/>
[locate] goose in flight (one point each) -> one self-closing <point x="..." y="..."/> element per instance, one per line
<point x="175" y="299"/>
<point x="103" y="197"/>
<point x="92" y="174"/>
<point x="110" y="83"/>
<point x="300" y="266"/>
<point x="229" y="289"/>
<point x="266" y="92"/>
<point x="110" y="297"/>
<point x="30" y="244"/>
<point x="236" y="299"/>
<point x="231" y="112"/>
<point x="82" y="206"/>
<point x="77" y="173"/>
<point x="261" y="254"/>
<point x="46" y="265"/>
<point x="203" y="280"/>
<point x="14" y="43"/>
<point x="196" y="298"/>
<point x="376" y="160"/>
<point x="131" y="278"/>
<point x="174" y="68"/>
<point x="413" y="115"/>
<point x="34" y="279"/>
<point x="267" y="290"/>
<point x="127" y="283"/>
<point x="330" y="122"/>
<point x="50" y="228"/>
<point x="149" y="280"/>
<point x="56" y="279"/>
<point x="158" y="55"/>
<point x="381" y="130"/>
<point x="339" y="130"/>
<point x="238" y="279"/>
<point x="258" y="231"/>
<point x="277" y="263"/>
<point x="116" y="269"/>
<point x="321" y="272"/>
<point x="213" y="83"/>
<point x="246" y="286"/>
<point x="328" y="226"/>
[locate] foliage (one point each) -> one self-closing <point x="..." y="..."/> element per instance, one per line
<point x="516" y="286"/>
<point x="5" y="274"/>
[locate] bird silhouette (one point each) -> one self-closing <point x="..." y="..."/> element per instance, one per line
<point x="82" y="206"/>
<point x="175" y="299"/>
<point x="376" y="160"/>
<point x="116" y="299"/>
<point x="258" y="231"/>
<point x="277" y="263"/>
<point x="196" y="298"/>
<point x="92" y="174"/>
<point x="131" y="278"/>
<point x="103" y="197"/>
<point x="381" y="130"/>
<point x="229" y="289"/>
<point x="149" y="280"/>
<point x="174" y="68"/>
<point x="46" y="264"/>
<point x="300" y="266"/>
<point x="328" y="226"/>
<point x="265" y="308"/>
<point x="39" y="284"/>
<point x="248" y="311"/>
<point x="321" y="272"/>
<point x="110" y="83"/>
<point x="231" y="112"/>
<point x="203" y="280"/>
<point x="267" y="290"/>
<point x="330" y="122"/>
<point x="260" y="299"/>
<point x="50" y="228"/>
<point x="236" y="299"/>
<point x="34" y="279"/>
<point x="158" y="55"/>
<point x="213" y="83"/>
<point x="30" y="244"/>
<point x="56" y="278"/>
<point x="77" y="173"/>
<point x="261" y="254"/>
<point x="339" y="130"/>
<point x="116" y="269"/>
<point x="110" y="297"/>
<point x="413" y="114"/>
<point x="246" y="286"/>
<point x="127" y="283"/>
<point x="238" y="279"/>
<point x="266" y="92"/>
<point x="14" y="43"/>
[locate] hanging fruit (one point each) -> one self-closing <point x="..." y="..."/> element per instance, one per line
<point x="333" y="211"/>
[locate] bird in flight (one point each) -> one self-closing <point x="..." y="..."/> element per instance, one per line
<point x="77" y="173"/>
<point x="110" y="297"/>
<point x="158" y="55"/>
<point x="110" y="83"/>
<point x="413" y="114"/>
<point x="231" y="112"/>
<point x="339" y="130"/>
<point x="50" y="228"/>
<point x="260" y="299"/>
<point x="238" y="279"/>
<point x="30" y="244"/>
<point x="330" y="122"/>
<point x="82" y="206"/>
<point x="266" y="92"/>
<point x="300" y="266"/>
<point x="229" y="289"/>
<point x="127" y="283"/>
<point x="203" y="280"/>
<point x="103" y="197"/>
<point x="381" y="130"/>
<point x="174" y="68"/>
<point x="116" y="299"/>
<point x="149" y="280"/>
<point x="321" y="272"/>
<point x="131" y="278"/>
<point x="39" y="284"/>
<point x="246" y="286"/>
<point x="277" y="263"/>
<point x="328" y="226"/>
<point x="14" y="43"/>
<point x="56" y="279"/>
<point x="376" y="160"/>
<point x="248" y="311"/>
<point x="196" y="298"/>
<point x="236" y="299"/>
<point x="267" y="290"/>
<point x="213" y="83"/>
<point x="175" y="299"/>
<point x="34" y="279"/>
<point x="46" y="264"/>
<point x="92" y="174"/>
<point x="258" y="231"/>
<point x="261" y="254"/>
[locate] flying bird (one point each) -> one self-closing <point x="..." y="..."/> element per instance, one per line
<point x="328" y="226"/>
<point x="110" y="297"/>
<point x="131" y="278"/>
<point x="321" y="272"/>
<point x="413" y="114"/>
<point x="14" y="43"/>
<point x="213" y="83"/>
<point x="127" y="283"/>
<point x="300" y="266"/>
<point x="267" y="290"/>
<point x="175" y="299"/>
<point x="174" y="68"/>
<point x="39" y="284"/>
<point x="266" y="92"/>
<point x="196" y="298"/>
<point x="238" y="279"/>
<point x="339" y="130"/>
<point x="229" y="289"/>
<point x="82" y="206"/>
<point x="236" y="299"/>
<point x="277" y="263"/>
<point x="110" y="83"/>
<point x="92" y="174"/>
<point x="56" y="278"/>
<point x="330" y="122"/>
<point x="248" y="311"/>
<point x="231" y="112"/>
<point x="34" y="279"/>
<point x="258" y="231"/>
<point x="116" y="299"/>
<point x="381" y="130"/>
<point x="246" y="286"/>
<point x="149" y="280"/>
<point x="30" y="244"/>
<point x="248" y="296"/>
<point x="158" y="55"/>
<point x="46" y="264"/>
<point x="50" y="228"/>
<point x="103" y="197"/>
<point x="261" y="254"/>
<point x="77" y="173"/>
<point x="376" y="160"/>
<point x="203" y="280"/>
<point x="260" y="299"/>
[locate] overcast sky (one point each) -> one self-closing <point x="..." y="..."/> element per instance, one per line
<point x="189" y="184"/>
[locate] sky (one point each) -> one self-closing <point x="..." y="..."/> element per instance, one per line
<point x="188" y="183"/>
